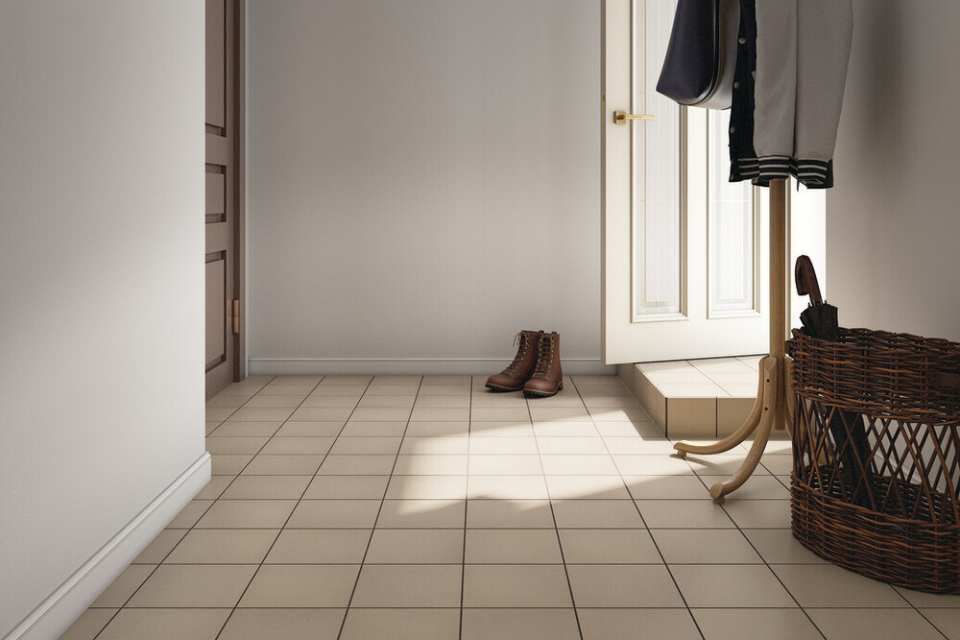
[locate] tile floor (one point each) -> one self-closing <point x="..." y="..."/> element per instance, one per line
<point x="403" y="507"/>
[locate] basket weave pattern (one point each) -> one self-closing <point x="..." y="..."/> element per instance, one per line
<point x="890" y="509"/>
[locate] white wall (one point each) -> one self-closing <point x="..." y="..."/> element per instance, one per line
<point x="893" y="233"/>
<point x="101" y="299"/>
<point x="423" y="182"/>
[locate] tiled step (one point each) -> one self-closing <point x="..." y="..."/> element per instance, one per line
<point x="695" y="398"/>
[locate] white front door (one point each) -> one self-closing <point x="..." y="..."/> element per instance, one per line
<point x="684" y="251"/>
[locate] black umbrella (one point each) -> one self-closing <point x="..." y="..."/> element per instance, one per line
<point x="849" y="435"/>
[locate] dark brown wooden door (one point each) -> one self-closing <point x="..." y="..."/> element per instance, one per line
<point x="222" y="295"/>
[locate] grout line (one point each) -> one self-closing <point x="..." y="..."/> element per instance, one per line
<point x="653" y="540"/>
<point x="290" y="515"/>
<point x="191" y="528"/>
<point x="553" y="515"/>
<point x="466" y="507"/>
<point x="373" y="528"/>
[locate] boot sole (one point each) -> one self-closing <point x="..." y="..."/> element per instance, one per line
<point x="501" y="389"/>
<point x="542" y="394"/>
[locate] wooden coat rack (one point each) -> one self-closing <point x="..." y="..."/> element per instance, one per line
<point x="770" y="410"/>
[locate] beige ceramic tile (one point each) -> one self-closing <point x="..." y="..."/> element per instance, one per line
<point x="427" y="488"/>
<point x="334" y="514"/>
<point x="923" y="600"/>
<point x="596" y="514"/>
<point x="604" y="586"/>
<point x="248" y="429"/>
<point x="223" y="546"/>
<point x="587" y="488"/>
<point x="194" y="586"/>
<point x="489" y="514"/>
<point x="876" y="624"/>
<point x="217" y="444"/>
<point x="124" y="586"/>
<point x="347" y="487"/>
<point x="482" y="446"/>
<point x="520" y="624"/>
<point x="501" y="429"/>
<point x="283" y="465"/>
<point x="260" y="414"/>
<point x="298" y="445"/>
<point x="515" y="586"/>
<point x="301" y="586"/>
<point x="759" y="514"/>
<point x="587" y="445"/>
<point x="357" y="465"/>
<point x="512" y="546"/>
<point x="421" y="585"/>
<point x="377" y="414"/>
<point x="266" y="488"/>
<point x="608" y="546"/>
<point x="830" y="586"/>
<point x="755" y="624"/>
<point x="319" y="546"/>
<point x="283" y="624"/>
<point x="320" y="414"/>
<point x="421" y="514"/>
<point x="760" y="487"/>
<point x="284" y="401"/>
<point x="505" y="465"/>
<point x="368" y="446"/>
<point x="310" y="429"/>
<point x="946" y="620"/>
<point x="431" y="465"/>
<point x="423" y="413"/>
<point x="158" y="549"/>
<point x="160" y="624"/>
<point x="438" y="428"/>
<point x="684" y="514"/>
<point x="247" y="514"/>
<point x="88" y="625"/>
<point x="778" y="546"/>
<point x="705" y="546"/>
<point x="733" y="412"/>
<point x="214" y="488"/>
<point x="652" y="465"/>
<point x="742" y="586"/>
<point x="579" y="465"/>
<point x="618" y="624"/>
<point x="388" y="402"/>
<point x="528" y="487"/>
<point x="402" y="624"/>
<point x="691" y="417"/>
<point x="415" y="546"/>
<point x="435" y="445"/>
<point x="666" y="487"/>
<point x="229" y="464"/>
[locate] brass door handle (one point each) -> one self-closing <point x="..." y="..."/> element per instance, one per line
<point x="621" y="117"/>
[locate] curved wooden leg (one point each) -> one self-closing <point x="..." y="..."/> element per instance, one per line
<point x="738" y="436"/>
<point x="771" y="394"/>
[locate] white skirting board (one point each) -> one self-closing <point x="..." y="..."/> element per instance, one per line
<point x="58" y="611"/>
<point x="422" y="366"/>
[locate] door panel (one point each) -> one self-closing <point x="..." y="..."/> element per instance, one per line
<point x="683" y="250"/>
<point x="220" y="214"/>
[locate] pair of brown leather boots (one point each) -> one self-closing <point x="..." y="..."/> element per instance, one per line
<point x="535" y="369"/>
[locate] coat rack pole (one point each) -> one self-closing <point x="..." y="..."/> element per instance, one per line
<point x="769" y="411"/>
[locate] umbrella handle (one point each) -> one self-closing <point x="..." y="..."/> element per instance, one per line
<point x="806" y="278"/>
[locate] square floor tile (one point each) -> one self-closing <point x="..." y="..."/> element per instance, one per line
<point x="438" y="428"/>
<point x="666" y="487"/>
<point x="947" y="620"/>
<point x="487" y="585"/>
<point x="89" y="624"/>
<point x="923" y="600"/>
<point x="159" y="547"/>
<point x="501" y="429"/>
<point x="423" y="413"/>
<point x="292" y="429"/>
<point x="427" y="488"/>
<point x="319" y="546"/>
<point x="371" y="445"/>
<point x="402" y="624"/>
<point x="586" y="488"/>
<point x="705" y="546"/>
<point x="216" y="444"/>
<point x="229" y="464"/>
<point x="283" y="465"/>
<point x="640" y="585"/>
<point x="247" y="514"/>
<point x="433" y="445"/>
<point x="320" y="414"/>
<point x="830" y="586"/>
<point x="283" y="624"/>
<point x="194" y="586"/>
<point x="652" y="465"/>
<point x="684" y="514"/>
<point x="507" y="487"/>
<point x="421" y="514"/>
<point x="123" y="586"/>
<point x="759" y="514"/>
<point x="261" y="414"/>
<point x="223" y="546"/>
<point x="389" y="402"/>
<point x="279" y="585"/>
<point x="420" y="585"/>
<point x="565" y="429"/>
<point x="608" y="546"/>
<point x="499" y="414"/>
<point x="572" y="446"/>
<point x="755" y="624"/>
<point x="760" y="488"/>
<point x="267" y="488"/>
<point x="376" y="414"/>
<point x="579" y="465"/>
<point x="778" y="546"/>
<point x="731" y="586"/>
<point x="160" y="624"/>
<point x="431" y="465"/>
<point x="636" y="445"/>
<point x="416" y="546"/>
<point x="491" y="514"/>
<point x="618" y="624"/>
<point x="520" y="624"/>
<point x="505" y="465"/>
<point x="190" y="514"/>
<point x="249" y="429"/>
<point x="347" y="487"/>
<point x="214" y="488"/>
<point x="512" y="546"/>
<point x="357" y="465"/>
<point x="596" y="514"/>
<point x="289" y="402"/>
<point x="876" y="624"/>
<point x="298" y="445"/>
<point x="334" y="514"/>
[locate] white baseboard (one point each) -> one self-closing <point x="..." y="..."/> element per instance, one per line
<point x="58" y="611"/>
<point x="423" y="366"/>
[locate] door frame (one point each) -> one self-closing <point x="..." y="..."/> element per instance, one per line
<point x="240" y="187"/>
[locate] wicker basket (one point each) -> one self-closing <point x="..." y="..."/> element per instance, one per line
<point x="876" y="465"/>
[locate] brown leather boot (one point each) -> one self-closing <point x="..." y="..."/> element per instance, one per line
<point x="520" y="370"/>
<point x="547" y="378"/>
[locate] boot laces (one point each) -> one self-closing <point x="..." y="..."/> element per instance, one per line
<point x="544" y="356"/>
<point x="523" y="343"/>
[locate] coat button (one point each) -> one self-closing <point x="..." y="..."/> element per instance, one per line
<point x="733" y="129"/>
<point x="742" y="40"/>
<point x="736" y="85"/>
